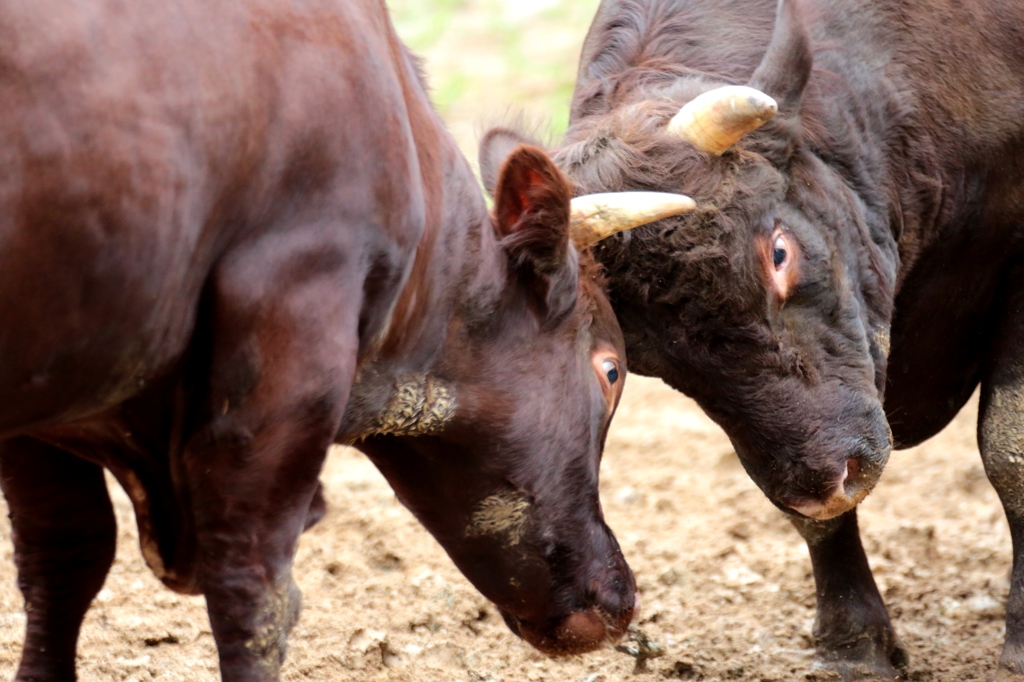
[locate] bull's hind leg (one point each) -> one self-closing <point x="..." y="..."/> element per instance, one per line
<point x="64" y="535"/>
<point x="852" y="631"/>
<point x="1001" y="439"/>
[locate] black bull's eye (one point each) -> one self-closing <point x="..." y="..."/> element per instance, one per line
<point x="779" y="252"/>
<point x="611" y="371"/>
<point x="779" y="256"/>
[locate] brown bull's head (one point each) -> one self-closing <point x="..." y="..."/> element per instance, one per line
<point x="497" y="451"/>
<point x="771" y="303"/>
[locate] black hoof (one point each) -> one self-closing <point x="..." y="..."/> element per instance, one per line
<point x="867" y="659"/>
<point x="1011" y="669"/>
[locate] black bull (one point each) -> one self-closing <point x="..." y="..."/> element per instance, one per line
<point x="860" y="252"/>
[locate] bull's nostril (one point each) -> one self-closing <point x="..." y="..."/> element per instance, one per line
<point x="584" y="631"/>
<point x="513" y="623"/>
<point x="851" y="476"/>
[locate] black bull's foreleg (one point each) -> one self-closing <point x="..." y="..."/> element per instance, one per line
<point x="64" y="535"/>
<point x="852" y="631"/>
<point x="1001" y="440"/>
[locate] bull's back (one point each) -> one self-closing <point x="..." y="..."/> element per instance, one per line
<point x="960" y="62"/>
<point x="142" y="142"/>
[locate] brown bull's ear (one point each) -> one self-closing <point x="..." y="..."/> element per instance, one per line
<point x="531" y="215"/>
<point x="495" y="147"/>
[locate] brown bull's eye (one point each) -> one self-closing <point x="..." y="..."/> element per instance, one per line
<point x="611" y="371"/>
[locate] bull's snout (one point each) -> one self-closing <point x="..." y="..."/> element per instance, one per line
<point x="859" y="456"/>
<point x="841" y="498"/>
<point x="580" y="631"/>
<point x="854" y="483"/>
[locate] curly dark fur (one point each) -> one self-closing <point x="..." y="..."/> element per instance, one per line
<point x="851" y="167"/>
<point x="895" y="172"/>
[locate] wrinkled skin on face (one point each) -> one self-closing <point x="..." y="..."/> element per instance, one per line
<point x="770" y="304"/>
<point x="508" y="485"/>
<point x="785" y="358"/>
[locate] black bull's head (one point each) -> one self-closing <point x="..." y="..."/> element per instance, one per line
<point x="771" y="303"/>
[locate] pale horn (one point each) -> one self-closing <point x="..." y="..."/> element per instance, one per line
<point x="596" y="216"/>
<point x="717" y="119"/>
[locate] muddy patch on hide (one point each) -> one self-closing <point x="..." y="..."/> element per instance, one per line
<point x="419" y="405"/>
<point x="501" y="514"/>
<point x="881" y="338"/>
<point x="1002" y="438"/>
<point x="278" y="615"/>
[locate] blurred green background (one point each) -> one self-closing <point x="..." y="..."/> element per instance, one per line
<point x="487" y="60"/>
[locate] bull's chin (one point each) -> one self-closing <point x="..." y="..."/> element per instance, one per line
<point x="578" y="633"/>
<point x="836" y="505"/>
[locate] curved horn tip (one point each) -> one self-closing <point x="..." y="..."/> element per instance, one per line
<point x="597" y="216"/>
<point x="716" y="120"/>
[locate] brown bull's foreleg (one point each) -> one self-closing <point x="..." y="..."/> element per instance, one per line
<point x="248" y="522"/>
<point x="1001" y="440"/>
<point x="64" y="534"/>
<point x="852" y="631"/>
<point x="284" y="346"/>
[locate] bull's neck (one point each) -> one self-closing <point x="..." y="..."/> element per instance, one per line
<point x="457" y="266"/>
<point x="456" y="260"/>
<point x="939" y="91"/>
<point x="457" y="249"/>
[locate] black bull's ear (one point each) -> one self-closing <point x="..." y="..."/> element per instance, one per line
<point x="786" y="66"/>
<point x="531" y="215"/>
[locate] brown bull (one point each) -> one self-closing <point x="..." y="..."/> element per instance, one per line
<point x="856" y="260"/>
<point x="234" y="233"/>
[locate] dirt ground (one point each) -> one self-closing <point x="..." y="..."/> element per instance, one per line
<point x="725" y="582"/>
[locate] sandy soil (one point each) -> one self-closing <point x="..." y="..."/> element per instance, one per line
<point x="725" y="581"/>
